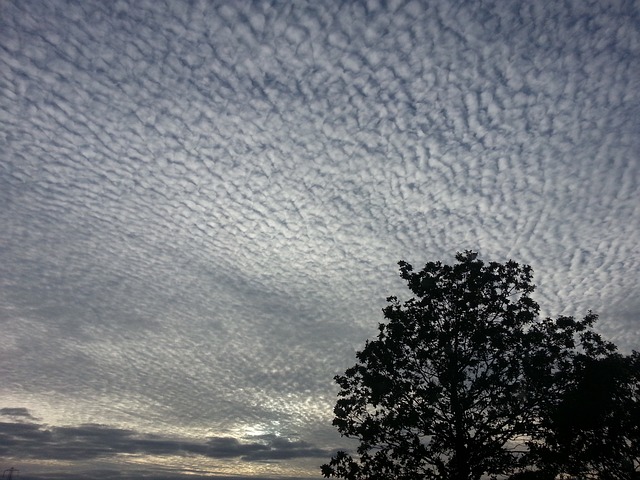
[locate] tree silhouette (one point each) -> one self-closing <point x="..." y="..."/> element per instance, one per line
<point x="459" y="378"/>
<point x="594" y="429"/>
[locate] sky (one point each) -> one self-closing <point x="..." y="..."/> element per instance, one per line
<point x="203" y="203"/>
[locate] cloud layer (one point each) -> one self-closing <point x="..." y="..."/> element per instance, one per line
<point x="203" y="203"/>
<point x="85" y="442"/>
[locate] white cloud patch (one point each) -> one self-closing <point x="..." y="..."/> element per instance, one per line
<point x="203" y="204"/>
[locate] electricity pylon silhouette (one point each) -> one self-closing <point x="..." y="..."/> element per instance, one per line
<point x="11" y="472"/>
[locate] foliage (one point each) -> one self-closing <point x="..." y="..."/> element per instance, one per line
<point x="459" y="378"/>
<point x="594" y="429"/>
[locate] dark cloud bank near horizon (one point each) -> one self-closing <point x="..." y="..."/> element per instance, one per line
<point x="25" y="439"/>
<point x="202" y="205"/>
<point x="32" y="440"/>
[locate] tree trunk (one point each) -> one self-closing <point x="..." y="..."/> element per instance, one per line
<point x="461" y="468"/>
<point x="460" y="462"/>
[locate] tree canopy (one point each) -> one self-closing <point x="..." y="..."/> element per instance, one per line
<point x="465" y="380"/>
<point x="593" y="428"/>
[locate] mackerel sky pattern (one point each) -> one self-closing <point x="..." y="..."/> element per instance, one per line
<point x="203" y="203"/>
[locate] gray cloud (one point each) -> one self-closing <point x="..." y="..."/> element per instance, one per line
<point x="86" y="442"/>
<point x="203" y="203"/>
<point x="18" y="412"/>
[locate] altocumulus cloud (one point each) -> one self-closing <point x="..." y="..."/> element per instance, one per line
<point x="203" y="203"/>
